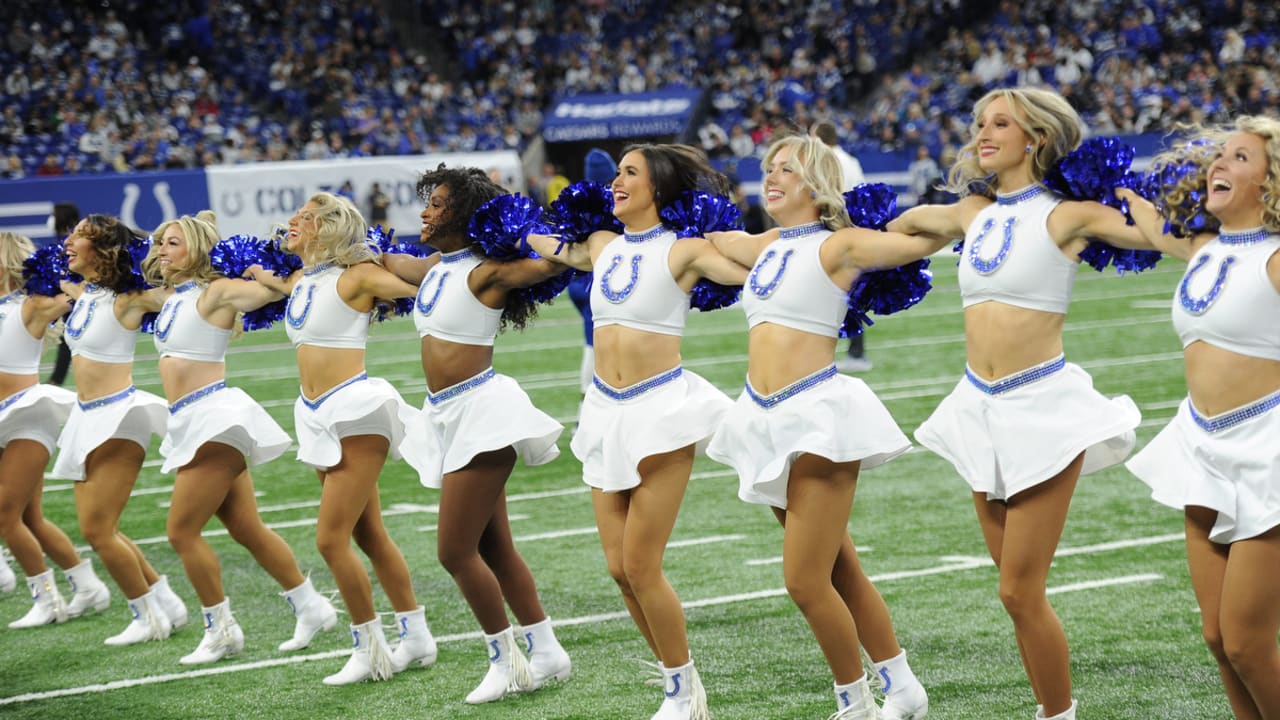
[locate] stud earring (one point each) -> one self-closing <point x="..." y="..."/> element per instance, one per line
<point x="813" y="194"/>
<point x="1029" y="149"/>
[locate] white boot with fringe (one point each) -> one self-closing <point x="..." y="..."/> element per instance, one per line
<point x="508" y="669"/>
<point x="370" y="656"/>
<point x="684" y="697"/>
<point x="222" y="636"/>
<point x="47" y="605"/>
<point x="416" y="642"/>
<point x="87" y="591"/>
<point x="149" y="622"/>
<point x="313" y="613"/>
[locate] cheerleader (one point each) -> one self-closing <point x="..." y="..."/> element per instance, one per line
<point x="212" y="429"/>
<point x="478" y="423"/>
<point x="1023" y="424"/>
<point x="30" y="417"/>
<point x="1218" y="460"/>
<point x="106" y="436"/>
<point x="347" y="423"/>
<point x="788" y="435"/>
<point x="646" y="416"/>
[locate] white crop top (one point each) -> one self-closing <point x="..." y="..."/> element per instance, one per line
<point x="1009" y="256"/>
<point x="93" y="330"/>
<point x="788" y="285"/>
<point x="1226" y="297"/>
<point x="316" y="315"/>
<point x="181" y="332"/>
<point x="19" y="352"/>
<point x="632" y="284"/>
<point x="446" y="308"/>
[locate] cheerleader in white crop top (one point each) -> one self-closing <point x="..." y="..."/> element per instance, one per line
<point x="215" y="433"/>
<point x="31" y="415"/>
<point x="478" y="423"/>
<point x="644" y="408"/>
<point x="1218" y="460"/>
<point x="347" y="423"/>
<point x="113" y="420"/>
<point x="801" y="432"/>
<point x="1022" y="417"/>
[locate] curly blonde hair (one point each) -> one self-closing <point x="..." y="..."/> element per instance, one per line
<point x="14" y="248"/>
<point x="1182" y="194"/>
<point x="340" y="232"/>
<point x="820" y="173"/>
<point x="1044" y="115"/>
<point x="201" y="234"/>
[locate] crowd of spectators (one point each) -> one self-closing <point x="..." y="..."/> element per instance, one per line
<point x="132" y="85"/>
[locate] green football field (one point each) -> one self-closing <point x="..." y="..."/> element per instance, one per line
<point x="1119" y="582"/>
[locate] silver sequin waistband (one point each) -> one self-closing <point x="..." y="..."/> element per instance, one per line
<point x="315" y="404"/>
<point x="1231" y="418"/>
<point x="108" y="400"/>
<point x="1018" y="379"/>
<point x="195" y="395"/>
<point x="454" y="391"/>
<point x="795" y="388"/>
<point x="639" y="388"/>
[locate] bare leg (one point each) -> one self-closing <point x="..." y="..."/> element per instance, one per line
<point x="1250" y="618"/>
<point x="110" y="472"/>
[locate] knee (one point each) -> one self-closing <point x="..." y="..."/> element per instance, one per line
<point x="97" y="531"/>
<point x="804" y="587"/>
<point x="1212" y="635"/>
<point x="181" y="537"/>
<point x="454" y="557"/>
<point x="332" y="545"/>
<point x="639" y="571"/>
<point x="1020" y="598"/>
<point x="247" y="534"/>
<point x="1241" y="650"/>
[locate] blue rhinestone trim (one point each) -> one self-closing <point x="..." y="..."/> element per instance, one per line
<point x="9" y="401"/>
<point x="297" y="321"/>
<point x="168" y="310"/>
<point x="317" y="269"/>
<point x="799" y="231"/>
<point x="645" y="236"/>
<point x="108" y="400"/>
<point x="195" y="395"/>
<point x="457" y="256"/>
<point x="1231" y="418"/>
<point x="795" y="388"/>
<point x="1199" y="305"/>
<point x="753" y="280"/>
<point x="639" y="388"/>
<point x="184" y="287"/>
<point x="10" y="297"/>
<point x="315" y="404"/>
<point x="1018" y="379"/>
<point x="1244" y="237"/>
<point x="986" y="267"/>
<point x="71" y="328"/>
<point x="1020" y="196"/>
<point x="617" y="296"/>
<point x="454" y="391"/>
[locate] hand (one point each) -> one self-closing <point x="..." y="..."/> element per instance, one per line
<point x="253" y="272"/>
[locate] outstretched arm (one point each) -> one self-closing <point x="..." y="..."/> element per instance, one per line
<point x="409" y="268"/>
<point x="876" y="250"/>
<point x="517" y="273"/>
<point x="575" y="255"/>
<point x="742" y="247"/>
<point x="282" y="285"/>
<point x="707" y="262"/>
<point x="1151" y="224"/>
<point x="945" y="222"/>
<point x="1074" y="222"/>
<point x="238" y="295"/>
<point x="370" y="280"/>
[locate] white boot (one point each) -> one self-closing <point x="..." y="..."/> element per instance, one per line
<point x="508" y="669"/>
<point x="904" y="696"/>
<point x="313" y="611"/>
<point x="87" y="591"/>
<point x="685" y="698"/>
<point x="222" y="636"/>
<point x="547" y="659"/>
<point x="47" y="607"/>
<point x="8" y="581"/>
<point x="416" y="642"/>
<point x="1068" y="714"/>
<point x="370" y="657"/>
<point x="149" y="622"/>
<point x="854" y="702"/>
<point x="169" y="602"/>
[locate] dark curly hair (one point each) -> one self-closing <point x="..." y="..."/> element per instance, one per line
<point x="110" y="239"/>
<point x="469" y="188"/>
<point x="674" y="169"/>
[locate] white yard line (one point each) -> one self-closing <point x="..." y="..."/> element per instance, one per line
<point x="954" y="565"/>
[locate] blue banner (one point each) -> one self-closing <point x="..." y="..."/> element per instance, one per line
<point x="600" y="117"/>
<point x="141" y="200"/>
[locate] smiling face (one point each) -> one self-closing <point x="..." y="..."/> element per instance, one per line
<point x="82" y="258"/>
<point x="435" y="215"/>
<point x="633" y="201"/>
<point x="172" y="254"/>
<point x="302" y="230"/>
<point x="788" y="199"/>
<point x="1001" y="144"/>
<point x="1235" y="182"/>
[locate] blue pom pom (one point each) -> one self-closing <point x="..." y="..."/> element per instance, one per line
<point x="234" y="255"/>
<point x="499" y="227"/>
<point x="581" y="209"/>
<point x="1093" y="171"/>
<point x="45" y="269"/>
<point x="871" y="205"/>
<point x="694" y="214"/>
<point x="384" y="242"/>
<point x="138" y="248"/>
<point x="885" y="292"/>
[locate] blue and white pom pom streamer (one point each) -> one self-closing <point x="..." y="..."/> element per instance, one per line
<point x="44" y="270"/>
<point x="694" y="214"/>
<point x="883" y="292"/>
<point x="500" y="229"/>
<point x="234" y="255"/>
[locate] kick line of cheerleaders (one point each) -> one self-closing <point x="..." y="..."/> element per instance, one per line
<point x="645" y="417"/>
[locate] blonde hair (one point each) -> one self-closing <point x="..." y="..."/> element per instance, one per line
<point x="1045" y="116"/>
<point x="201" y="235"/>
<point x="1184" y="197"/>
<point x="340" y="232"/>
<point x="820" y="173"/>
<point x="14" y="248"/>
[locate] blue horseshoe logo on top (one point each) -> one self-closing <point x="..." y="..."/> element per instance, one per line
<point x="427" y="307"/>
<point x="617" y="296"/>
